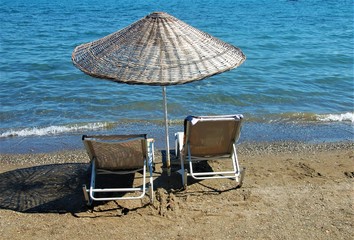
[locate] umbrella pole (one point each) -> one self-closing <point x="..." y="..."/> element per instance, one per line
<point x="168" y="161"/>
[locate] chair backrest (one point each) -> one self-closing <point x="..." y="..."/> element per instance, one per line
<point x="212" y="135"/>
<point x="116" y="152"/>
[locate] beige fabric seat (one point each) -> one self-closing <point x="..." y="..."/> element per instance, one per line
<point x="119" y="154"/>
<point x="209" y="138"/>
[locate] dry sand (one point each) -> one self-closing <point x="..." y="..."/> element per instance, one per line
<point x="290" y="191"/>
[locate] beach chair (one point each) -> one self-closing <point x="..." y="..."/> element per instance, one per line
<point x="119" y="154"/>
<point x="209" y="138"/>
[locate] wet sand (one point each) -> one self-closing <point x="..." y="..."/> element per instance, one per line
<point x="290" y="191"/>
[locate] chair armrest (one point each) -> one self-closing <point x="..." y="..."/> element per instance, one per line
<point x="178" y="143"/>
<point x="150" y="142"/>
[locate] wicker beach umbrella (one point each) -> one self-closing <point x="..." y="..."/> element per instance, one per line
<point x="159" y="49"/>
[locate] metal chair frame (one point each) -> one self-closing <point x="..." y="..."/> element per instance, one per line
<point x="89" y="193"/>
<point x="183" y="150"/>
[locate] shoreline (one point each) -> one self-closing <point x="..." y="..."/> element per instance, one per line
<point x="245" y="148"/>
<point x="291" y="190"/>
<point x="251" y="133"/>
<point x="11" y="161"/>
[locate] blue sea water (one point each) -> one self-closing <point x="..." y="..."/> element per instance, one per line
<point x="296" y="84"/>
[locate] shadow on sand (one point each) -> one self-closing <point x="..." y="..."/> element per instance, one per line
<point x="57" y="188"/>
<point x="53" y="188"/>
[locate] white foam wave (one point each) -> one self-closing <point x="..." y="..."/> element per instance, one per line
<point x="344" y="117"/>
<point x="52" y="130"/>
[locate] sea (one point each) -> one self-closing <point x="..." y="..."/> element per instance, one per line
<point x="297" y="83"/>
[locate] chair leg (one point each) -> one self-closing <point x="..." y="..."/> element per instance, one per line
<point x="86" y="195"/>
<point x="242" y="173"/>
<point x="92" y="182"/>
<point x="185" y="177"/>
<point x="182" y="171"/>
<point x="151" y="180"/>
<point x="151" y="193"/>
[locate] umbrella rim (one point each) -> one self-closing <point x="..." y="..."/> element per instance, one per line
<point x="151" y="83"/>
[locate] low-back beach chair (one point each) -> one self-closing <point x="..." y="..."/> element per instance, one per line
<point x="209" y="138"/>
<point x="119" y="154"/>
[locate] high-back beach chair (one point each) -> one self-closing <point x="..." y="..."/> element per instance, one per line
<point x="209" y="138"/>
<point x="119" y="154"/>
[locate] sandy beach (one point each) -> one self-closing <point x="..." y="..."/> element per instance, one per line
<point x="290" y="191"/>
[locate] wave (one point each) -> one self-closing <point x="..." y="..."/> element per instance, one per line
<point x="268" y="118"/>
<point x="53" y="130"/>
<point x="296" y="117"/>
<point x="344" y="117"/>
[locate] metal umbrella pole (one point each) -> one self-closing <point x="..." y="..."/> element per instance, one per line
<point x="168" y="158"/>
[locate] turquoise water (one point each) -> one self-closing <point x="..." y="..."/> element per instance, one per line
<point x="296" y="84"/>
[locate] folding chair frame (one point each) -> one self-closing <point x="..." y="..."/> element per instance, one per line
<point x="89" y="194"/>
<point x="235" y="173"/>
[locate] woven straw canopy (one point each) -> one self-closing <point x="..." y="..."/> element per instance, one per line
<point x="158" y="49"/>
